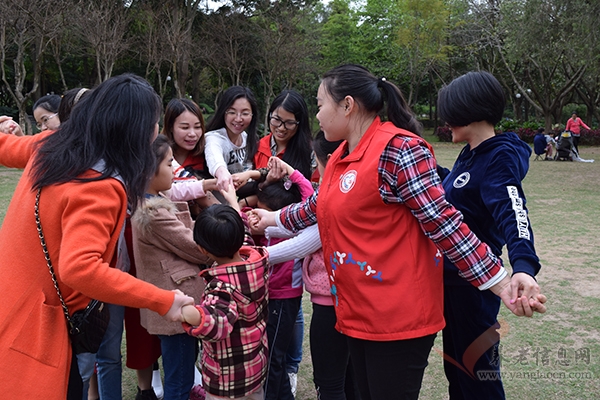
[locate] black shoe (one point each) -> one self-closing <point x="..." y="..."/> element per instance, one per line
<point x="145" y="394"/>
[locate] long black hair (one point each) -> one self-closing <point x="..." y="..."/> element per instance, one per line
<point x="228" y="97"/>
<point x="298" y="149"/>
<point x="174" y="109"/>
<point x="372" y="93"/>
<point x="115" y="123"/>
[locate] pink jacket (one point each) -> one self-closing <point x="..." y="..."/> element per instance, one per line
<point x="234" y="315"/>
<point x="316" y="279"/>
<point x="575" y="126"/>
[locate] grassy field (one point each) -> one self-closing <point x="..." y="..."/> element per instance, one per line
<point x="551" y="356"/>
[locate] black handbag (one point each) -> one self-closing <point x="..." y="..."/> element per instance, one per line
<point x="86" y="327"/>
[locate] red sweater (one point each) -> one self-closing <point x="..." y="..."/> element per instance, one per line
<point x="386" y="274"/>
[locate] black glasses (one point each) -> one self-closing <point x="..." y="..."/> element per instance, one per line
<point x="277" y="122"/>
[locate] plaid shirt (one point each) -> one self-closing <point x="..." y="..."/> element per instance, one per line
<point x="408" y="176"/>
<point x="233" y="327"/>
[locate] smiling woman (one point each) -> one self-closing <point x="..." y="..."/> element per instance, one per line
<point x="231" y="138"/>
<point x="289" y="138"/>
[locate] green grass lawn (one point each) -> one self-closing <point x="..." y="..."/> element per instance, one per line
<point x="550" y="356"/>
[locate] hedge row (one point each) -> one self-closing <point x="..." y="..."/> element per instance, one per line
<point x="588" y="137"/>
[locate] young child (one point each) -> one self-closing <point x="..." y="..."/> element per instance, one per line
<point x="232" y="317"/>
<point x="167" y="256"/>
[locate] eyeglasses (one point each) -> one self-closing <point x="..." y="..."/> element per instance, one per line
<point x="44" y="120"/>
<point x="277" y="122"/>
<point x="244" y="114"/>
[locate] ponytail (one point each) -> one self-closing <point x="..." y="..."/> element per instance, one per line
<point x="398" y="111"/>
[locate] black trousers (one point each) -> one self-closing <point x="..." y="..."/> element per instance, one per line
<point x="75" y="388"/>
<point x="390" y="370"/>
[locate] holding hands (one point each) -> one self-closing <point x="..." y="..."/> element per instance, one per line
<point x="521" y="295"/>
<point x="175" y="313"/>
<point x="7" y="125"/>
<point x="224" y="179"/>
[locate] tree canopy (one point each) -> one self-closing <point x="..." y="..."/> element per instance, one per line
<point x="545" y="52"/>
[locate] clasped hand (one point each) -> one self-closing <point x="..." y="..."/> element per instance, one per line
<point x="521" y="294"/>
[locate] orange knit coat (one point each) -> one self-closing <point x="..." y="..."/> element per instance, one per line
<point x="82" y="223"/>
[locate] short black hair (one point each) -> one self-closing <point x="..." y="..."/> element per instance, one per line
<point x="473" y="97"/>
<point x="276" y="196"/>
<point x="219" y="229"/>
<point x="324" y="148"/>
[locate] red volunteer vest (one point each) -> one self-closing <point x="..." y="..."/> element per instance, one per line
<point x="386" y="275"/>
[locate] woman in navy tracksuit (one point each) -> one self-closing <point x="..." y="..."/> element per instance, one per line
<point x="485" y="185"/>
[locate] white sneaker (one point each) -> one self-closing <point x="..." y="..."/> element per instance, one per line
<point x="293" y="382"/>
<point x="157" y="384"/>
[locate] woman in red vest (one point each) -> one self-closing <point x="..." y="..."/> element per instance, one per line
<point x="384" y="224"/>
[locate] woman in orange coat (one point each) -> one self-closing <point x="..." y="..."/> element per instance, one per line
<point x="89" y="170"/>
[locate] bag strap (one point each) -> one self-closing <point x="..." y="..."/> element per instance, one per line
<point x="47" y="256"/>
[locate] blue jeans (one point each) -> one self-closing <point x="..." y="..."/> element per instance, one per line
<point x="108" y="357"/>
<point x="294" y="352"/>
<point x="179" y="353"/>
<point x="86" y="363"/>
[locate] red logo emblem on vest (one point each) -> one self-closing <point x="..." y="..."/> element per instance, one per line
<point x="347" y="181"/>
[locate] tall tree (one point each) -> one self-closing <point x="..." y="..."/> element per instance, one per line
<point x="339" y="35"/>
<point x="26" y="28"/>
<point x="422" y="34"/>
<point x="104" y="24"/>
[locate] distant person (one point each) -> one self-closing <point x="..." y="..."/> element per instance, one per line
<point x="574" y="125"/>
<point x="543" y="144"/>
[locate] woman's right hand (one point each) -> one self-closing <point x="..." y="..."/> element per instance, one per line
<point x="224" y="179"/>
<point x="175" y="312"/>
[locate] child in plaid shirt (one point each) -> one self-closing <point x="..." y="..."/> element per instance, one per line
<point x="232" y="319"/>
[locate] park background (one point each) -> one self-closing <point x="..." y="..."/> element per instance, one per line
<point x="551" y="356"/>
<point x="546" y="53"/>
